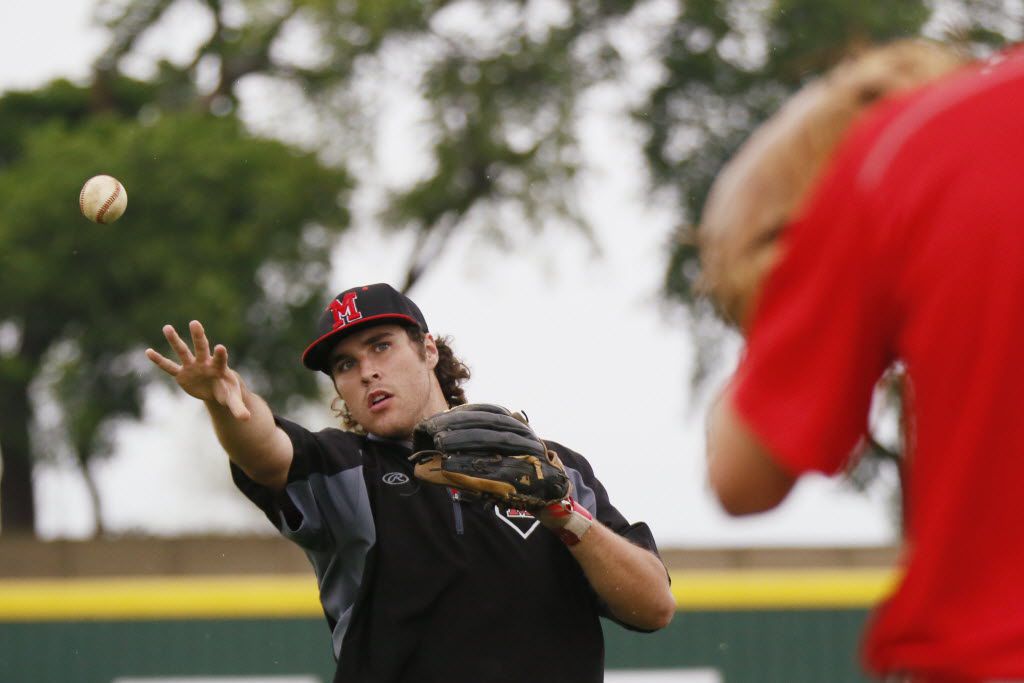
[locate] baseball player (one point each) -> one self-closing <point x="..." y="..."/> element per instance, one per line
<point x="418" y="581"/>
<point x="881" y="207"/>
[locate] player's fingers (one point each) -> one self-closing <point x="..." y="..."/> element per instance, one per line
<point x="199" y="341"/>
<point x="220" y="357"/>
<point x="165" y="364"/>
<point x="234" y="401"/>
<point x="179" y="346"/>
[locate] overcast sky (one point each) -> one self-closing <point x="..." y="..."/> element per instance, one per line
<point x="579" y="341"/>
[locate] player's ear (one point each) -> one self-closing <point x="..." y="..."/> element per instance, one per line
<point x="431" y="355"/>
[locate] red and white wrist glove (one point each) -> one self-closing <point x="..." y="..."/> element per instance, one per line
<point x="567" y="518"/>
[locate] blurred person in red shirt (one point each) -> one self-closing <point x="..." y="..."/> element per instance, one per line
<point x="876" y="219"/>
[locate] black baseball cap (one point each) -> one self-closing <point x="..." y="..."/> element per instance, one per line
<point x="355" y="307"/>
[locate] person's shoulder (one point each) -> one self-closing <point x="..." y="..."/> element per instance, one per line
<point x="560" y="448"/>
<point x="341" y="437"/>
<point x="344" y="450"/>
<point x="337" y="448"/>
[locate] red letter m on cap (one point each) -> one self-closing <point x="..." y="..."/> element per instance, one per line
<point x="345" y="311"/>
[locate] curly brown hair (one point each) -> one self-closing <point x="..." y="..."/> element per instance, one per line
<point x="450" y="371"/>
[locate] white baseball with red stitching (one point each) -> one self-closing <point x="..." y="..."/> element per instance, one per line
<point x="103" y="199"/>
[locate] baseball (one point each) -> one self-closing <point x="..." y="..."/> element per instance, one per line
<point x="103" y="199"/>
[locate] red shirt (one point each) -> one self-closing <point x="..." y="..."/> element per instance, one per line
<point x="911" y="247"/>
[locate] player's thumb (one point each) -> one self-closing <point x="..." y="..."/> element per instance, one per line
<point x="237" y="407"/>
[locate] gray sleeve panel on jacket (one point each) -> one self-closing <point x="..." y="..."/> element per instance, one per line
<point x="582" y="492"/>
<point x="340" y="505"/>
<point x="325" y="510"/>
<point x="299" y="518"/>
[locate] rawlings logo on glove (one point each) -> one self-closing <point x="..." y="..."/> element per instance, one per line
<point x="487" y="451"/>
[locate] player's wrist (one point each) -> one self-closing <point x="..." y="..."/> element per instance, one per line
<point x="569" y="520"/>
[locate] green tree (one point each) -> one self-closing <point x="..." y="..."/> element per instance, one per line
<point x="729" y="66"/>
<point x="223" y="226"/>
<point x="499" y="80"/>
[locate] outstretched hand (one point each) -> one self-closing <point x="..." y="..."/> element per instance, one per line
<point x="200" y="373"/>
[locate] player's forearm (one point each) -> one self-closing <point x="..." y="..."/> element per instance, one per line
<point x="631" y="580"/>
<point x="257" y="445"/>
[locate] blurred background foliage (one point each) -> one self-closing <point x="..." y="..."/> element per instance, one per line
<point x="236" y="226"/>
<point x="231" y="229"/>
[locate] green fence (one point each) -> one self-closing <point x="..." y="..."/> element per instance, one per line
<point x="737" y="627"/>
<point x="760" y="646"/>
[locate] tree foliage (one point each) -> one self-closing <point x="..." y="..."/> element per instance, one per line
<point x="499" y="81"/>
<point x="225" y="227"/>
<point x="729" y="64"/>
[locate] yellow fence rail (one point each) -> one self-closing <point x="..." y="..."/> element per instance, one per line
<point x="225" y="597"/>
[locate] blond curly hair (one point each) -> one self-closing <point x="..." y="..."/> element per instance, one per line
<point x="760" y="188"/>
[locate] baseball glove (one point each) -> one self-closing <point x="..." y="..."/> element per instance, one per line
<point x="488" y="452"/>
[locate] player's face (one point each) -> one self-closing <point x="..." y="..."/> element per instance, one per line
<point x="387" y="380"/>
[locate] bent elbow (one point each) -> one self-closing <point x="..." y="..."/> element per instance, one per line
<point x="657" y="615"/>
<point x="740" y="496"/>
<point x="741" y="505"/>
<point x="664" y="615"/>
<point x="733" y="501"/>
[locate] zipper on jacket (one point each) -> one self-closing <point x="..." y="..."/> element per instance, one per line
<point x="457" y="510"/>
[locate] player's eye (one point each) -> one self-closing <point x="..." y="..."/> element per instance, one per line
<point x="381" y="346"/>
<point x="344" y="365"/>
